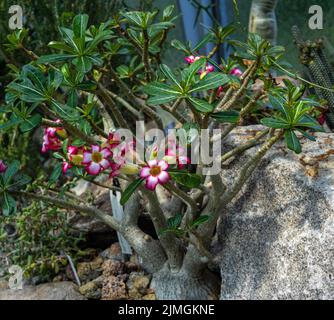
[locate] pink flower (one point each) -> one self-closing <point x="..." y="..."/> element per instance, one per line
<point x="178" y="153"/>
<point x="155" y="173"/>
<point x="74" y="155"/>
<point x="96" y="160"/>
<point x="66" y="165"/>
<point x="236" y="72"/>
<point x="322" y="119"/>
<point x="3" y="167"/>
<point x="114" y="140"/>
<point x="51" y="140"/>
<point x="191" y="59"/>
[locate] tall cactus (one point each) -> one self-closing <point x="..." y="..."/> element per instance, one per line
<point x="262" y="19"/>
<point x="313" y="56"/>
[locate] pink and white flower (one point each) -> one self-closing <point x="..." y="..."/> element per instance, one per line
<point x="178" y="154"/>
<point x="3" y="167"/>
<point x="191" y="59"/>
<point x="75" y="156"/>
<point x="50" y="140"/>
<point x="114" y="140"/>
<point x="96" y="160"/>
<point x="236" y="72"/>
<point x="155" y="173"/>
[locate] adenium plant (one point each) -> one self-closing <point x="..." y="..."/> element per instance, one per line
<point x="100" y="79"/>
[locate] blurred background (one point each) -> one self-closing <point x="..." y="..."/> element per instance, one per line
<point x="42" y="18"/>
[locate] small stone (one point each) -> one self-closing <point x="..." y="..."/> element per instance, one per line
<point x="131" y="267"/>
<point x="91" y="290"/>
<point x="114" y="289"/>
<point x="88" y="271"/>
<point x="114" y="252"/>
<point x="99" y="281"/>
<point x="112" y="268"/>
<point x="138" y="281"/>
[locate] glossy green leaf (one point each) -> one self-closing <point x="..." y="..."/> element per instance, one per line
<point x="201" y="105"/>
<point x="211" y="81"/>
<point x="230" y="116"/>
<point x="80" y="23"/>
<point x="31" y="123"/>
<point x="157" y="88"/>
<point x="170" y="75"/>
<point x="190" y="180"/>
<point x="292" y="141"/>
<point x="275" y="123"/>
<point x="157" y="100"/>
<point x="12" y="169"/>
<point x="132" y="187"/>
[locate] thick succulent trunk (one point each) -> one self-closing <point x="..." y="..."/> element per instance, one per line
<point x="263" y="19"/>
<point x="185" y="286"/>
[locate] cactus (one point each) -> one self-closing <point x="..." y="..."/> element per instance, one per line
<point x="263" y="19"/>
<point x="313" y="57"/>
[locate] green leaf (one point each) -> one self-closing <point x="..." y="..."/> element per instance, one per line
<point x="208" y="38"/>
<point x="157" y="100"/>
<point x="192" y="70"/>
<point x="211" y="81"/>
<point x="80" y="23"/>
<point x="20" y="180"/>
<point x="157" y="88"/>
<point x="292" y="141"/>
<point x="132" y="187"/>
<point x="31" y="123"/>
<point x="308" y="122"/>
<point x="230" y="116"/>
<point x="9" y="204"/>
<point x="174" y="222"/>
<point x="83" y="64"/>
<point x="134" y="17"/>
<point x="169" y="75"/>
<point x="306" y="135"/>
<point x="55" y="174"/>
<point x="275" y="123"/>
<point x="12" y="169"/>
<point x="52" y="58"/>
<point x="200" y="220"/>
<point x="190" y="180"/>
<point x="28" y="93"/>
<point x="201" y="105"/>
<point x="180" y="46"/>
<point x="60" y="46"/>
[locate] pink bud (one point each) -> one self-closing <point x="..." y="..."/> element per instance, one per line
<point x="3" y="167"/>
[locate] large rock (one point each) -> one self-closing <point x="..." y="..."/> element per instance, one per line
<point x="276" y="241"/>
<point x="47" y="291"/>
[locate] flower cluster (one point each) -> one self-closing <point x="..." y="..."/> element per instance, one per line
<point x="155" y="172"/>
<point x="203" y="72"/>
<point x="51" y="139"/>
<point x="118" y="157"/>
<point x="3" y="167"/>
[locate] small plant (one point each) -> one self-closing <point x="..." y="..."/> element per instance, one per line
<point x="37" y="239"/>
<point x="88" y="109"/>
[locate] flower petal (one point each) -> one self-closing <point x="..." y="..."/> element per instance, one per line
<point x="106" y="153"/>
<point x="93" y="169"/>
<point x="163" y="177"/>
<point x="105" y="164"/>
<point x="95" y="148"/>
<point x="151" y="183"/>
<point x="152" y="163"/>
<point x="145" y="172"/>
<point x="163" y="165"/>
<point x="87" y="157"/>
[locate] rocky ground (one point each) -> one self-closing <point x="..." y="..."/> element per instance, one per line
<point x="107" y="277"/>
